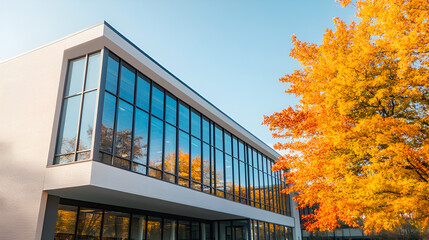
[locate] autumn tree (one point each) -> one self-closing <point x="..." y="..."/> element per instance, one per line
<point x="357" y="144"/>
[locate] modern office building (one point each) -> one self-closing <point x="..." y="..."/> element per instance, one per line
<point x="99" y="141"/>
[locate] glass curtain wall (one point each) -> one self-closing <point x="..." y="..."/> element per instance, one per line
<point x="148" y="130"/>
<point x="76" y="130"/>
<point x="83" y="221"/>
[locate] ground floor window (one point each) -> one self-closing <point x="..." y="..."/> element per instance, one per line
<point x="89" y="221"/>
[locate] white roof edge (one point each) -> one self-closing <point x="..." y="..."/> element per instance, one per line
<point x="54" y="42"/>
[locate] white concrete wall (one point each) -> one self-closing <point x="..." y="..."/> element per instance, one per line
<point x="28" y="102"/>
<point x="28" y="97"/>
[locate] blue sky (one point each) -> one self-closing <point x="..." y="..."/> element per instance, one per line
<point x="231" y="52"/>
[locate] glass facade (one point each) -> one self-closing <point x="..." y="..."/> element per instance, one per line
<point x="146" y="129"/>
<point x="82" y="220"/>
<point x="76" y="128"/>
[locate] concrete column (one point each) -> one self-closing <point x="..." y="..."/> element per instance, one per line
<point x="50" y="220"/>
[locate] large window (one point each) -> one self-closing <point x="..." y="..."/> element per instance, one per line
<point x="77" y="221"/>
<point x="76" y="128"/>
<point x="148" y="130"/>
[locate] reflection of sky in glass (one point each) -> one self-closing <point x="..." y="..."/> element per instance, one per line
<point x="157" y="102"/>
<point x="196" y="124"/>
<point x="112" y="74"/>
<point x="219" y="169"/>
<point x="206" y="131"/>
<point x="140" y="136"/>
<point x="219" y="138"/>
<point x="127" y="83"/>
<point x="93" y="72"/>
<point x="155" y="151"/>
<point x="170" y="110"/>
<point x="68" y="127"/>
<point x="143" y="93"/>
<point x="123" y="129"/>
<point x="75" y="76"/>
<point x="170" y="148"/>
<point x="228" y="172"/>
<point x="183" y="117"/>
<point x="87" y="120"/>
<point x="228" y="143"/>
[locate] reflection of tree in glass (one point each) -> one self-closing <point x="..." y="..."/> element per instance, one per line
<point x="67" y="145"/>
<point x="154" y="229"/>
<point x="89" y="224"/>
<point x="106" y="138"/>
<point x="123" y="143"/>
<point x="65" y="226"/>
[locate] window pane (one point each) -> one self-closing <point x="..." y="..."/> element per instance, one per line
<point x="115" y="225"/>
<point x="243" y="183"/>
<point x="219" y="171"/>
<point x="206" y="231"/>
<point x="196" y="124"/>
<point x="89" y="224"/>
<point x="256" y="184"/>
<point x="196" y="159"/>
<point x="138" y="227"/>
<point x="68" y="128"/>
<point x="206" y="130"/>
<point x="236" y="177"/>
<point x="241" y="150"/>
<point x="219" y="137"/>
<point x="228" y="173"/>
<point x="183" y="117"/>
<point x="106" y="138"/>
<point x="93" y="72"/>
<point x="195" y="232"/>
<point x="261" y="230"/>
<point x="212" y="141"/>
<point x="141" y="125"/>
<point x="87" y="120"/>
<point x="157" y="101"/>
<point x="156" y="132"/>
<point x="212" y="168"/>
<point x="183" y="155"/>
<point x="170" y="149"/>
<point x="184" y="230"/>
<point x="153" y="228"/>
<point x="261" y="187"/>
<point x="75" y="76"/>
<point x="235" y="147"/>
<point x="128" y="79"/>
<point x="66" y="222"/>
<point x="206" y="164"/>
<point x="169" y="229"/>
<point x="228" y="143"/>
<point x="171" y="109"/>
<point x="143" y="92"/>
<point x="112" y="73"/>
<point x="124" y="130"/>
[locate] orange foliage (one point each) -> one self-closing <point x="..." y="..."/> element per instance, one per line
<point x="358" y="141"/>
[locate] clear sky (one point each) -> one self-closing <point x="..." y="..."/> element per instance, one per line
<point x="232" y="52"/>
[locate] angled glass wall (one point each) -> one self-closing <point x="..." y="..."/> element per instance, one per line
<point x="76" y="130"/>
<point x="148" y="130"/>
